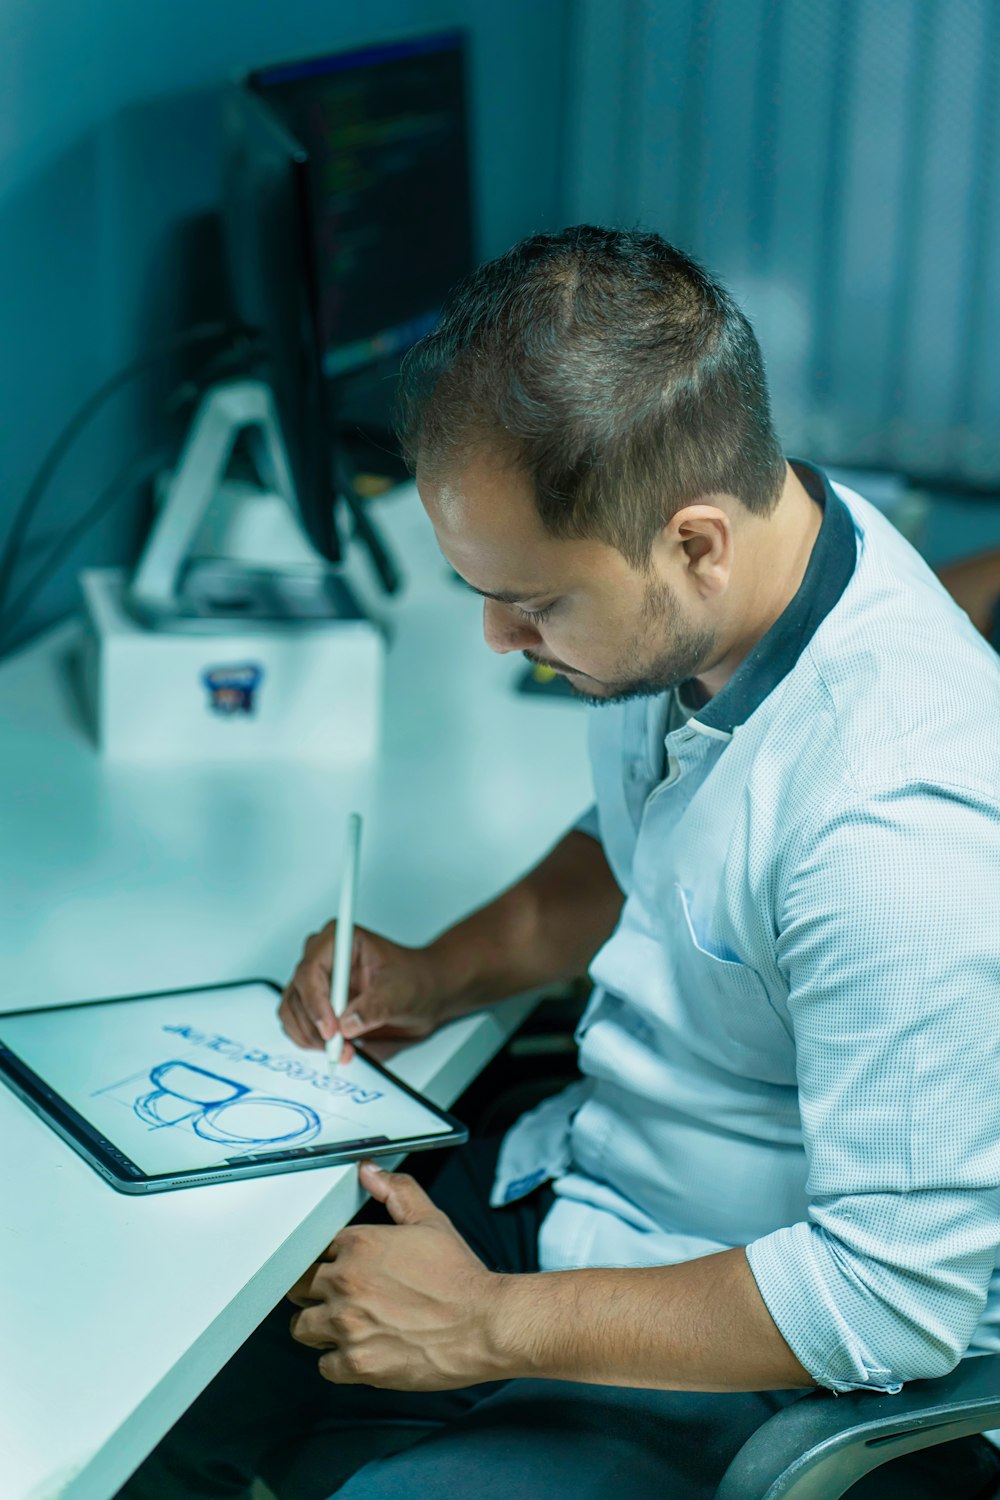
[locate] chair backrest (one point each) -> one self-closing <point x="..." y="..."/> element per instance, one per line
<point x="816" y="1448"/>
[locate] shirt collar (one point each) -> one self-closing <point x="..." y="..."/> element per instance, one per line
<point x="828" y="572"/>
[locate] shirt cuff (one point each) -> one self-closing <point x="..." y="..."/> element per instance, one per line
<point x="787" y="1268"/>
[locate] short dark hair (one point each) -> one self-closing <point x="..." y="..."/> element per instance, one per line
<point x="615" y="371"/>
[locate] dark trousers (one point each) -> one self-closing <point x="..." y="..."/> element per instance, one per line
<point x="269" y="1413"/>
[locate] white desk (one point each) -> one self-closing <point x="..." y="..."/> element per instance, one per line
<point x="115" y="1311"/>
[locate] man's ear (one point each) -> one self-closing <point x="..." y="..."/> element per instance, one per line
<point x="699" y="540"/>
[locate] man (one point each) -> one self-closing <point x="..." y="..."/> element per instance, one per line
<point x="781" y="1168"/>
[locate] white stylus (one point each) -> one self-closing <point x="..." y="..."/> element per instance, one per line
<point x="343" y="942"/>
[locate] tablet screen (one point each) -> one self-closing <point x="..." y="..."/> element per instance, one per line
<point x="201" y="1079"/>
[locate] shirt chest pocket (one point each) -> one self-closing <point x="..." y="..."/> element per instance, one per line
<point x="725" y="1002"/>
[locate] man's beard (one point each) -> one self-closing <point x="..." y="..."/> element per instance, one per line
<point x="651" y="665"/>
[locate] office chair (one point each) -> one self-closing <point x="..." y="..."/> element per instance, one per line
<point x="817" y="1448"/>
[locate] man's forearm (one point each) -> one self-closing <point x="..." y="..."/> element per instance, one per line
<point x="698" y="1326"/>
<point x="545" y="928"/>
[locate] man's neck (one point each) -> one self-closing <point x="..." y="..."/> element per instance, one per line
<point x="772" y="556"/>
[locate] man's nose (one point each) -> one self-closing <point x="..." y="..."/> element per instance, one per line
<point x="504" y="630"/>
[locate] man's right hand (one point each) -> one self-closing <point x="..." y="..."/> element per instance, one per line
<point x="392" y="992"/>
<point x="545" y="928"/>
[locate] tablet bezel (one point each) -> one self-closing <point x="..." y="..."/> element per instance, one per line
<point x="126" y="1176"/>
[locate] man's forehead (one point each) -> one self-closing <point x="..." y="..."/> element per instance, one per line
<point x="484" y="495"/>
<point x="488" y="527"/>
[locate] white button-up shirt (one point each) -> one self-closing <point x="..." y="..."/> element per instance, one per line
<point x="793" y="1041"/>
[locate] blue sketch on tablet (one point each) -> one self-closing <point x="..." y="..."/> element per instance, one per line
<point x="220" y="1109"/>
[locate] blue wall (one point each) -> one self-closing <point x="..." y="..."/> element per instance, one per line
<point x="109" y="169"/>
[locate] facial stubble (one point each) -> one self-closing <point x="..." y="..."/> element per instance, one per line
<point x="663" y="653"/>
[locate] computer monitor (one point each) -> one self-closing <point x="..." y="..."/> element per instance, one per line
<point x="348" y="218"/>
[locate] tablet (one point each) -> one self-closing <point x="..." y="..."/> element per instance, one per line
<point x="195" y="1086"/>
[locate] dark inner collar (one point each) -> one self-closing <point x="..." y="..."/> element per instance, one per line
<point x="828" y="572"/>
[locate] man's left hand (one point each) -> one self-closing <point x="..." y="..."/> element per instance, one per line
<point x="406" y="1306"/>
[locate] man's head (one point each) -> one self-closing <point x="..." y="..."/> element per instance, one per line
<point x="589" y="424"/>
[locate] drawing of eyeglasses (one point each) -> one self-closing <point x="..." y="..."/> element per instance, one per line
<point x="220" y="1109"/>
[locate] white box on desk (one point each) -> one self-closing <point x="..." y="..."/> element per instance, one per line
<point x="307" y="693"/>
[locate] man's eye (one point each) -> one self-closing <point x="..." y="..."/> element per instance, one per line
<point x="535" y="615"/>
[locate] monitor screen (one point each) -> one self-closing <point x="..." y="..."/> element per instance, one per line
<point x="384" y="132"/>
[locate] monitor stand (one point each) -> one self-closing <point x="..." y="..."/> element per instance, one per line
<point x="172" y="590"/>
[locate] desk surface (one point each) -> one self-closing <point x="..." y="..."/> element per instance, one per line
<point x="115" y="1312"/>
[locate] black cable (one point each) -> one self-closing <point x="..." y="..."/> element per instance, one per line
<point x="140" y="467"/>
<point x="198" y="334"/>
<point x="367" y="532"/>
<point x="364" y="527"/>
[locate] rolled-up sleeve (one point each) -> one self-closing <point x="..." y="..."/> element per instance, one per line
<point x="889" y="941"/>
